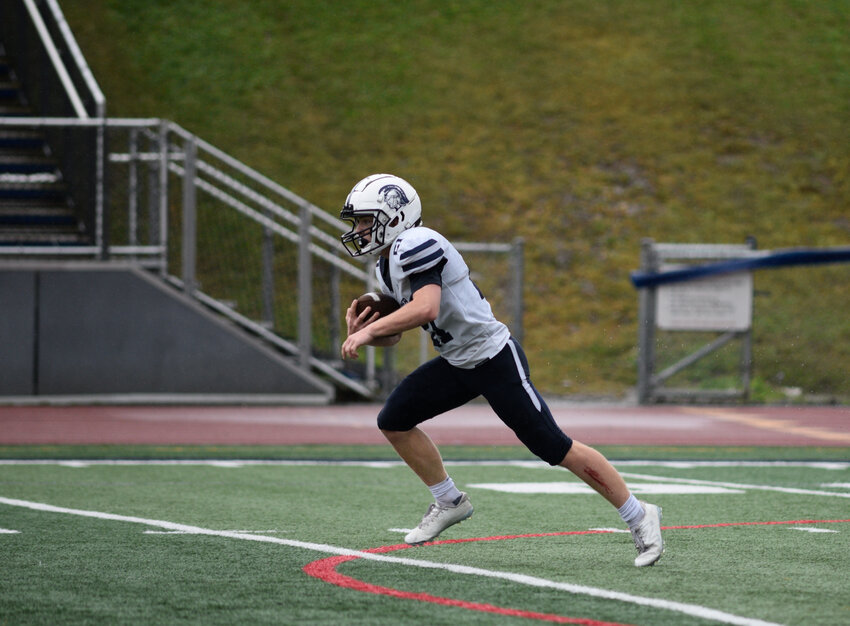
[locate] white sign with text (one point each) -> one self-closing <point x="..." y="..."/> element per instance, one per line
<point x="719" y="303"/>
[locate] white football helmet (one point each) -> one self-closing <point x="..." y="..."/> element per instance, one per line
<point x="393" y="204"/>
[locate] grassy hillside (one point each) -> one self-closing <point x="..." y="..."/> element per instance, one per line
<point x="582" y="126"/>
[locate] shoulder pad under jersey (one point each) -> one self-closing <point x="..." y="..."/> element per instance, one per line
<point x="417" y="250"/>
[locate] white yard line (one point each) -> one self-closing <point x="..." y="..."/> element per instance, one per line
<point x="183" y="532"/>
<point x="533" y="581"/>
<point x="526" y="464"/>
<point x="694" y="481"/>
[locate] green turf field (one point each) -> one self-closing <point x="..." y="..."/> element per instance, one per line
<point x="227" y="541"/>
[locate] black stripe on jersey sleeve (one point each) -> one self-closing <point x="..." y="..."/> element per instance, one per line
<point x="413" y="265"/>
<point x="418" y="249"/>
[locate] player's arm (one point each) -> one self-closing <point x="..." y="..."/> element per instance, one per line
<point x="422" y="309"/>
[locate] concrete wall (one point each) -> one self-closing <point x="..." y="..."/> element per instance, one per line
<point x="99" y="329"/>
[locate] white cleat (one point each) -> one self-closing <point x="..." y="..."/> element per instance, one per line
<point x="647" y="536"/>
<point x="437" y="519"/>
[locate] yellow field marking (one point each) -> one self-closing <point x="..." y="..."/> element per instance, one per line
<point x="772" y="424"/>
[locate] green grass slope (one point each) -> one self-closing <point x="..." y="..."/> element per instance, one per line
<point x="582" y="126"/>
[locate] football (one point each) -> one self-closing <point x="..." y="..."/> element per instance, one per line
<point x="379" y="302"/>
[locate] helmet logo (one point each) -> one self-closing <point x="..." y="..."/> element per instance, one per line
<point x="394" y="196"/>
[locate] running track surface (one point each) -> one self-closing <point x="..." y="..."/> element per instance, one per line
<point x="473" y="424"/>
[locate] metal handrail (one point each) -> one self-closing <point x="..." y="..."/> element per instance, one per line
<point x="79" y="60"/>
<point x="256" y="176"/>
<point x="55" y="59"/>
<point x="267" y="222"/>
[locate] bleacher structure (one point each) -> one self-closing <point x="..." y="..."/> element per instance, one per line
<point x="140" y="263"/>
<point x="34" y="202"/>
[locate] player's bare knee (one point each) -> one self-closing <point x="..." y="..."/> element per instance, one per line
<point x="395" y="435"/>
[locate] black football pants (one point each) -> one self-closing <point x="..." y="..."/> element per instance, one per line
<point x="437" y="386"/>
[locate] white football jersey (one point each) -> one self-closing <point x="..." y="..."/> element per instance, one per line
<point x="465" y="332"/>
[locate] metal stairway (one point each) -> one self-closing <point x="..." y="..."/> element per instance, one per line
<point x="35" y="208"/>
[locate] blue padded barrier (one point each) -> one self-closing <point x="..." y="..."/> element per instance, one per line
<point x="780" y="258"/>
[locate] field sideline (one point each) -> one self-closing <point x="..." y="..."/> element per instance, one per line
<point x="311" y="533"/>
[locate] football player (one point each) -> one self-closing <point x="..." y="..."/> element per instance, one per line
<point x="424" y="272"/>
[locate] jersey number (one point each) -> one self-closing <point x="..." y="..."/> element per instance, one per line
<point x="439" y="336"/>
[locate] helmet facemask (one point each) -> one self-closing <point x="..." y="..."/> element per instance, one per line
<point x="393" y="205"/>
<point x="354" y="241"/>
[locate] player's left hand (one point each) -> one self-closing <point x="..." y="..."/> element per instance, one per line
<point x="350" y="346"/>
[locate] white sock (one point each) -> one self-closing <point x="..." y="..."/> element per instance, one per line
<point x="446" y="493"/>
<point x="632" y="512"/>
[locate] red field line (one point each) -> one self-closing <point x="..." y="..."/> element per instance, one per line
<point x="325" y="570"/>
